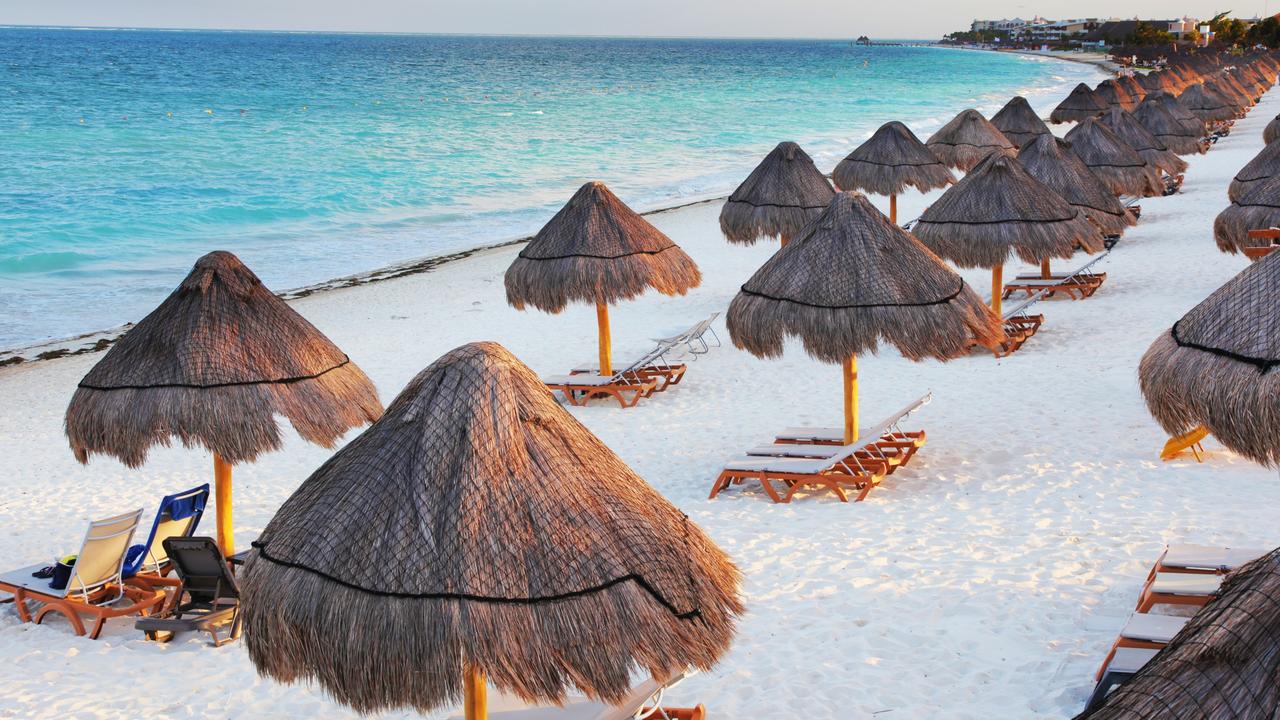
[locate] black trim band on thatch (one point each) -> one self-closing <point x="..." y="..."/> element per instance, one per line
<point x="599" y="257"/>
<point x="941" y="301"/>
<point x="560" y="597"/>
<point x="901" y="164"/>
<point x="346" y="360"/>
<point x="778" y="205"/>
<point x="1264" y="365"/>
<point x="1001" y="222"/>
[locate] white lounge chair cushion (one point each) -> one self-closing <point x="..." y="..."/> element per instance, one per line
<point x="1152" y="628"/>
<point x="583" y="380"/>
<point x="1131" y="660"/>
<point x="1204" y="557"/>
<point x="821" y="434"/>
<point x="1186" y="584"/>
<point x="22" y="578"/>
<point x="793" y="451"/>
<point x="799" y="466"/>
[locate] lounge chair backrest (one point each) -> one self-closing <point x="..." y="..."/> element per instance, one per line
<point x="178" y="516"/>
<point x="200" y="566"/>
<point x="101" y="558"/>
<point x="893" y="420"/>
<point x="1021" y="308"/>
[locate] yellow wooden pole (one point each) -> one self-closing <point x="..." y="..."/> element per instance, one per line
<point x="997" y="288"/>
<point x="1044" y="269"/>
<point x="222" y="497"/>
<point x="606" y="345"/>
<point x="475" y="702"/>
<point x="893" y="209"/>
<point x="784" y="240"/>
<point x="851" y="400"/>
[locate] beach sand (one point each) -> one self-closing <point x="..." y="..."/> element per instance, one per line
<point x="985" y="580"/>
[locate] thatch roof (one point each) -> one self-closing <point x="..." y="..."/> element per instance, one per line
<point x="1000" y="208"/>
<point x="1160" y="81"/>
<point x="966" y="140"/>
<point x="1272" y="130"/>
<point x="1018" y="122"/>
<point x="1115" y="163"/>
<point x="1080" y="104"/>
<point x="889" y="162"/>
<point x="1051" y="161"/>
<point x="851" y="280"/>
<point x="1223" y="664"/>
<point x="596" y="250"/>
<point x="213" y="365"/>
<point x="1264" y="165"/>
<point x="1216" y="366"/>
<point x="1206" y="104"/>
<point x="1135" y="135"/>
<point x="1115" y="95"/>
<point x="480" y="524"/>
<point x="1134" y="88"/>
<point x="780" y="196"/>
<point x="1258" y="209"/>
<point x="1180" y="134"/>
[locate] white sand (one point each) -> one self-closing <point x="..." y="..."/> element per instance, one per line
<point x="985" y="580"/>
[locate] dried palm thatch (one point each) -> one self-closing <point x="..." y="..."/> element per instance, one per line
<point x="1215" y="366"/>
<point x="966" y="140"/>
<point x="851" y="280"/>
<point x="1019" y="122"/>
<point x="1223" y="664"/>
<point x="597" y="250"/>
<point x="1180" y="135"/>
<point x="1114" y="162"/>
<point x="1206" y="104"/>
<point x="1264" y="165"/>
<point x="889" y="162"/>
<point x="1134" y="88"/>
<point x="1051" y="161"/>
<point x="213" y="365"/>
<point x="1257" y="210"/>
<point x="780" y="196"/>
<point x="1234" y="95"/>
<point x="1000" y="208"/>
<point x="1271" y="131"/>
<point x="1160" y="81"/>
<point x="1127" y="128"/>
<point x="1111" y="92"/>
<point x="479" y="525"/>
<point x="1080" y="104"/>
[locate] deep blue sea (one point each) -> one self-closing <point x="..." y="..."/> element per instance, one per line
<point x="124" y="155"/>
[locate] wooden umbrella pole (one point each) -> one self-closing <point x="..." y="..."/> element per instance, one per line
<point x="1044" y="269"/>
<point x="893" y="209"/>
<point x="475" y="701"/>
<point x="606" y="345"/>
<point x="997" y="288"/>
<point x="222" y="497"/>
<point x="784" y="240"/>
<point x="851" y="400"/>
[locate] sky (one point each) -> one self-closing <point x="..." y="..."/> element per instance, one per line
<point x="697" y="18"/>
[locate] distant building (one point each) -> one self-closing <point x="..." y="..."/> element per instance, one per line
<point x="1057" y="30"/>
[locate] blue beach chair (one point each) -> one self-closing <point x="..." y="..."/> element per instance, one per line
<point x="178" y="516"/>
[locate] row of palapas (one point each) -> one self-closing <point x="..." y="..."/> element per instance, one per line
<point x="338" y="588"/>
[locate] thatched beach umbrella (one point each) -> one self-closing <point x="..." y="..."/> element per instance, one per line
<point x="1135" y="135"/>
<point x="1179" y="135"/>
<point x="213" y="365"/>
<point x="1223" y="664"/>
<point x="999" y="209"/>
<point x="1206" y="104"/>
<point x="1115" y="95"/>
<point x="850" y="280"/>
<point x="1185" y="117"/>
<point x="1134" y="88"/>
<point x="1216" y="367"/>
<point x="966" y="140"/>
<point x="1114" y="162"/>
<point x="478" y="531"/>
<point x="1080" y="104"/>
<point x="1019" y="122"/>
<point x="783" y="193"/>
<point x="889" y="162"/>
<point x="1160" y="81"/>
<point x="1264" y="165"/>
<point x="1271" y="131"/>
<point x="1258" y="209"/>
<point x="596" y="250"/>
<point x="1050" y="160"/>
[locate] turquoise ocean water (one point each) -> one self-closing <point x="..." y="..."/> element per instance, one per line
<point x="124" y="155"/>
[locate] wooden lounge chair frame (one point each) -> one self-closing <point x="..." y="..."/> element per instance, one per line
<point x="1129" y="642"/>
<point x="100" y="595"/>
<point x="212" y="600"/>
<point x="1257" y="253"/>
<point x="894" y="442"/>
<point x="1077" y="284"/>
<point x="1150" y="597"/>
<point x="1019" y="325"/>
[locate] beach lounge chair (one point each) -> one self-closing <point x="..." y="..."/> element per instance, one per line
<point x="206" y="599"/>
<point x="178" y="516"/>
<point x="1203" y="559"/>
<point x="1019" y="325"/>
<point x="653" y="365"/>
<point x="1172" y="184"/>
<point x="644" y="702"/>
<point x="894" y="442"/>
<point x="695" y="338"/>
<point x="1076" y="284"/>
<point x="96" y="587"/>
<point x="1189" y="440"/>
<point x="1124" y="664"/>
<point x="1144" y="631"/>
<point x="626" y="386"/>
<point x="1179" y="588"/>
<point x="1271" y="235"/>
